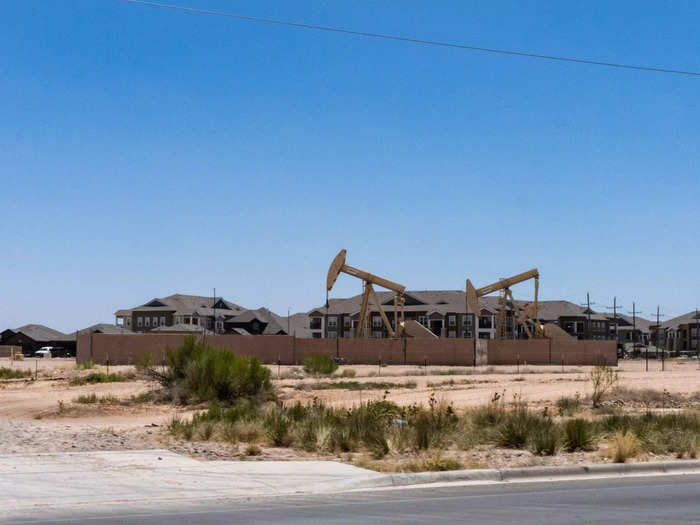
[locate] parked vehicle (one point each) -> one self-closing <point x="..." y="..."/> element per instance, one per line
<point x="44" y="351"/>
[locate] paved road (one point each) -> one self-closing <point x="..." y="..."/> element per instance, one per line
<point x="657" y="499"/>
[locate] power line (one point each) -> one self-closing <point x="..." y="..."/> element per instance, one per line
<point x="411" y="40"/>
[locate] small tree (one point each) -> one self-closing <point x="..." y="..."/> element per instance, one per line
<point x="320" y="364"/>
<point x="603" y="379"/>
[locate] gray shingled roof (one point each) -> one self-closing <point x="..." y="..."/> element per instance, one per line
<point x="39" y="332"/>
<point x="186" y="305"/>
<point x="177" y="328"/>
<point x="106" y="328"/>
<point x="454" y="301"/>
<point x="674" y="323"/>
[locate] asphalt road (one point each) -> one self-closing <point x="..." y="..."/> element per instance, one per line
<point x="658" y="499"/>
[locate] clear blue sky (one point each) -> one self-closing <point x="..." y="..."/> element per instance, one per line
<point x="145" y="152"/>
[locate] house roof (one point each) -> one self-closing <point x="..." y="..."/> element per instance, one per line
<point x="106" y="328"/>
<point x="641" y="323"/>
<point x="689" y="318"/>
<point x="39" y="332"/>
<point x="179" y="327"/>
<point x="181" y="304"/>
<point x="454" y="301"/>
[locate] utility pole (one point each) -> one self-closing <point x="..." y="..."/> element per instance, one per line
<point x="697" y="335"/>
<point x="634" y="313"/>
<point x="614" y="308"/>
<point x="658" y="327"/>
<point x="588" y="309"/>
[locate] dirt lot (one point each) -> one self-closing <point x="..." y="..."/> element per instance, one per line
<point x="42" y="415"/>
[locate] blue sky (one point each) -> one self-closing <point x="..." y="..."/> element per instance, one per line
<point x="145" y="152"/>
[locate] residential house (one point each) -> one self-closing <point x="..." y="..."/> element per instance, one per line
<point x="206" y="313"/>
<point x="444" y="313"/>
<point x="32" y="337"/>
<point x="180" y="313"/>
<point x="441" y="311"/>
<point x="681" y="334"/>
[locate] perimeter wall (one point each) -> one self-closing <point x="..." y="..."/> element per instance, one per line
<point x="118" y="349"/>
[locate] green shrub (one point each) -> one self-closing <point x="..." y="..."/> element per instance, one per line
<point x="578" y="435"/>
<point x="86" y="365"/>
<point x="432" y="427"/>
<point x="603" y="378"/>
<point x="14" y="373"/>
<point x="320" y="364"/>
<point x="544" y="439"/>
<point x="197" y="372"/>
<point x="101" y="377"/>
<point x="516" y="428"/>
<point x="277" y="426"/>
<point x="568" y="405"/>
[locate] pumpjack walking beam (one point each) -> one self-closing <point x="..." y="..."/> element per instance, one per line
<point x="338" y="266"/>
<point x="531" y="311"/>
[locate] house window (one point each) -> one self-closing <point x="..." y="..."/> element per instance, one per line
<point x="139" y="322"/>
<point x="219" y="326"/>
<point x="346" y="322"/>
<point x="423" y="320"/>
<point x="316" y="335"/>
<point x="467" y="320"/>
<point x="332" y="334"/>
<point x="315" y="323"/>
<point x="451" y="320"/>
<point x="332" y="322"/>
<point x="162" y="320"/>
<point x="195" y="321"/>
<point x="452" y="334"/>
<point x="128" y="321"/>
<point x="376" y="322"/>
<point x="467" y="333"/>
<point x="377" y="334"/>
<point x="155" y="321"/>
<point x="147" y="322"/>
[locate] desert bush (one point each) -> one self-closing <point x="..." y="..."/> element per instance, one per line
<point x="320" y="364"/>
<point x="14" y="373"/>
<point x="624" y="445"/>
<point x="198" y="372"/>
<point x="518" y="425"/>
<point x="432" y="426"/>
<point x="101" y="377"/>
<point x="355" y="385"/>
<point x="434" y="463"/>
<point x="578" y="435"/>
<point x="568" y="405"/>
<point x="544" y="439"/>
<point x="348" y="372"/>
<point x="93" y="398"/>
<point x="277" y="426"/>
<point x="603" y="378"/>
<point x="86" y="365"/>
<point x="253" y="450"/>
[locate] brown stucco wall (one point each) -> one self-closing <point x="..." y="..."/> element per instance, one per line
<point x="9" y="350"/>
<point x="130" y="348"/>
<point x="552" y="351"/>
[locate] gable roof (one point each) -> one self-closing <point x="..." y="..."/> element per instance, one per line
<point x="106" y="328"/>
<point x="674" y="323"/>
<point x="39" y="332"/>
<point x="181" y="304"/>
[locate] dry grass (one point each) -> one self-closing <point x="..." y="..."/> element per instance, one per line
<point x="623" y="446"/>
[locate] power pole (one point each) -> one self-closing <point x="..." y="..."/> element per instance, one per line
<point x="658" y="327"/>
<point x="588" y="309"/>
<point x="634" y="313"/>
<point x="614" y="308"/>
<point x="697" y="335"/>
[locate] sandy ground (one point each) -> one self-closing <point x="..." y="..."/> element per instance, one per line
<point x="41" y="415"/>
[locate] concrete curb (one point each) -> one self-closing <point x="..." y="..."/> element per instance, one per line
<point x="519" y="474"/>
